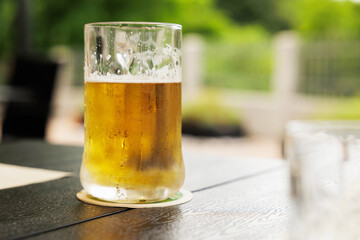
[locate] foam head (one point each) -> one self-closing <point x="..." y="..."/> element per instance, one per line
<point x="133" y="52"/>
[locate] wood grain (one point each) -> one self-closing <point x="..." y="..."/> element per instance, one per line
<point x="202" y="171"/>
<point x="40" y="154"/>
<point x="255" y="208"/>
<point x="30" y="210"/>
<point x="34" y="208"/>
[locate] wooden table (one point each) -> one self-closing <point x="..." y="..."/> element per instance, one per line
<point x="232" y="199"/>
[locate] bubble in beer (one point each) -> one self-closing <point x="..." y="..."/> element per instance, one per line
<point x="139" y="130"/>
<point x="132" y="120"/>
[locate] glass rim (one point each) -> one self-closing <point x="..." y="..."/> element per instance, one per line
<point x="134" y="24"/>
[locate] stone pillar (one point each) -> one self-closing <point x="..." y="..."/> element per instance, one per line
<point x="286" y="65"/>
<point x="286" y="74"/>
<point x="193" y="73"/>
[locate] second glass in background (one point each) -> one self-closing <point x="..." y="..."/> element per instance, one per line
<point x="325" y="179"/>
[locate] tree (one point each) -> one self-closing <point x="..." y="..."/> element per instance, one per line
<point x="325" y="19"/>
<point x="261" y="12"/>
<point x="61" y="22"/>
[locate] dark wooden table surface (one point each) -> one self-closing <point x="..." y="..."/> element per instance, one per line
<point x="232" y="199"/>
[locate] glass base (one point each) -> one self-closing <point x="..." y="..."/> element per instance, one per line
<point x="126" y="195"/>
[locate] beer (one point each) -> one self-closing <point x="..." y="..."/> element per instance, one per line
<point x="132" y="149"/>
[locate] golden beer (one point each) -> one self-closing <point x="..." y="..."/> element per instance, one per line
<point x="132" y="149"/>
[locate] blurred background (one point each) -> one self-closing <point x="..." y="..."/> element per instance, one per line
<point x="249" y="67"/>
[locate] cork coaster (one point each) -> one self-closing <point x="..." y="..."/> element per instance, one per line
<point x="181" y="197"/>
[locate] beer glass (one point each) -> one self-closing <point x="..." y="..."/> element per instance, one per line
<point x="324" y="159"/>
<point x="132" y="150"/>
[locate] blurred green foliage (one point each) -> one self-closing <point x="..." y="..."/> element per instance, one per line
<point x="323" y="19"/>
<point x="313" y="19"/>
<point x="239" y="65"/>
<point x="330" y="68"/>
<point x="8" y="9"/>
<point x="238" y="33"/>
<point x="342" y="108"/>
<point x="208" y="109"/>
<point x="260" y="12"/>
<point x="61" y="22"/>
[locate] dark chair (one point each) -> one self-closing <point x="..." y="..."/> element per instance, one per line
<point x="28" y="106"/>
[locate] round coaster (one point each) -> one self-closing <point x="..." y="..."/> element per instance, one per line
<point x="181" y="197"/>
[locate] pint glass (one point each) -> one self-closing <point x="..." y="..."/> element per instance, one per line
<point x="132" y="150"/>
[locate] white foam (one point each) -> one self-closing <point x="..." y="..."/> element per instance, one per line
<point x="129" y="79"/>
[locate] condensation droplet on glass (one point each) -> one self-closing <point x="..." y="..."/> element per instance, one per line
<point x="119" y="193"/>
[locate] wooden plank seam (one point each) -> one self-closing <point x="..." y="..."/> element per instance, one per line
<point x="128" y="209"/>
